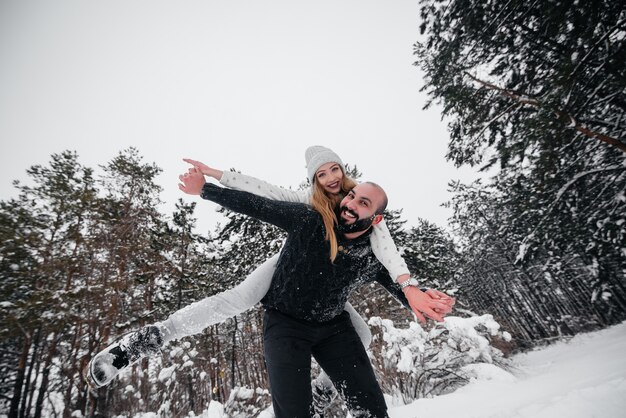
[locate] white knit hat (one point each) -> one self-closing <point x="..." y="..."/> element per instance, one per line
<point x="316" y="156"/>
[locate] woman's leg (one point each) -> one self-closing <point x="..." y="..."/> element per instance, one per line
<point x="194" y="318"/>
<point x="360" y="325"/>
<point x="190" y="320"/>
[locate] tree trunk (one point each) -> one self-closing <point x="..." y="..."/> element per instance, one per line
<point x="31" y="394"/>
<point x="19" y="380"/>
<point x="45" y="378"/>
<point x="25" y="405"/>
<point x="71" y="372"/>
<point x="234" y="353"/>
<point x="191" y="392"/>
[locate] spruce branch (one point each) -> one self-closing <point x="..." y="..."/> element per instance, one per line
<point x="561" y="115"/>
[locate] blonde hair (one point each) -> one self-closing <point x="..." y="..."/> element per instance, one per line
<point x="325" y="205"/>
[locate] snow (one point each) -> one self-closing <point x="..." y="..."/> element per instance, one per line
<point x="147" y="415"/>
<point x="176" y="351"/>
<point x="216" y="410"/>
<point x="242" y="393"/>
<point x="105" y="364"/>
<point x="582" y="378"/>
<point x="406" y="360"/>
<point x="487" y="371"/>
<point x="523" y="248"/>
<point x="166" y="373"/>
<point x="267" y="413"/>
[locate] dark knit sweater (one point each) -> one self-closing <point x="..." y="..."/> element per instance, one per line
<point x="306" y="285"/>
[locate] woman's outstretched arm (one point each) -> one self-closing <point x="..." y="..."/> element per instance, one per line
<point x="250" y="184"/>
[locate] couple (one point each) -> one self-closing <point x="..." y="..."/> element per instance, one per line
<point x="332" y="247"/>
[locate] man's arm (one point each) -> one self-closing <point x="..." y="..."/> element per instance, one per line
<point x="284" y="215"/>
<point x="281" y="214"/>
<point x="384" y="279"/>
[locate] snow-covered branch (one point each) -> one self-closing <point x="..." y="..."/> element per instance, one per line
<point x="562" y="115"/>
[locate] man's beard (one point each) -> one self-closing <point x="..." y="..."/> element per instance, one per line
<point x="357" y="226"/>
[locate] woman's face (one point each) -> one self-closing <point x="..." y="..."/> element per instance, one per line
<point x="329" y="176"/>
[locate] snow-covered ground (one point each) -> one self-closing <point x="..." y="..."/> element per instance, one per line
<point x="582" y="378"/>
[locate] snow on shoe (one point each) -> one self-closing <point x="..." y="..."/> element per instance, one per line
<point x="323" y="395"/>
<point x="121" y="354"/>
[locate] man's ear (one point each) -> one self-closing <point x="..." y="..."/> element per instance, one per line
<point x="377" y="219"/>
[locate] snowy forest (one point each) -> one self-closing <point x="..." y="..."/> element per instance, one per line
<point x="533" y="92"/>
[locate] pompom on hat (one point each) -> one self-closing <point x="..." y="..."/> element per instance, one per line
<point x="316" y="156"/>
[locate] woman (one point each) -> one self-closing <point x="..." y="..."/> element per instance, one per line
<point x="329" y="185"/>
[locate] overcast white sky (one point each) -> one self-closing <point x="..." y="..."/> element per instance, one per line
<point x="244" y="84"/>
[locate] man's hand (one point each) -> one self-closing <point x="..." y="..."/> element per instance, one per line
<point x="432" y="303"/>
<point x="442" y="297"/>
<point x="192" y="182"/>
<point x="204" y="169"/>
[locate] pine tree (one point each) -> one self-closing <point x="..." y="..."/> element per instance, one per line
<point x="431" y="253"/>
<point x="538" y="91"/>
<point x="512" y="75"/>
<point x="46" y="249"/>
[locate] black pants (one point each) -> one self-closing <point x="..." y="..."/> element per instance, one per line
<point x="289" y="344"/>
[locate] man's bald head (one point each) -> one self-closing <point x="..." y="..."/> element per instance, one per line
<point x="382" y="195"/>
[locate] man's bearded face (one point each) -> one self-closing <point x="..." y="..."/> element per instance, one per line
<point x="348" y="221"/>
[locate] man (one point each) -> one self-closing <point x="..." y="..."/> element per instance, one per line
<point x="305" y="303"/>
